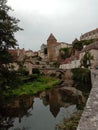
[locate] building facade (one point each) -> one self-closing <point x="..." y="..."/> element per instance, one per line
<point x="90" y="35"/>
<point x="51" y="48"/>
<point x="75" y="61"/>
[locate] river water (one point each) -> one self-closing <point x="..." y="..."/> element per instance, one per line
<point x="39" y="112"/>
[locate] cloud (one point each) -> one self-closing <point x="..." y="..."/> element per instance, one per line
<point x="66" y="19"/>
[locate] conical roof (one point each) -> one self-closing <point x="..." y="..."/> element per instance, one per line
<point x="51" y="37"/>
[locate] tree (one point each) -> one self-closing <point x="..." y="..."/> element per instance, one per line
<point x="8" y="26"/>
<point x="86" y="60"/>
<point x="65" y="52"/>
<point x="78" y="45"/>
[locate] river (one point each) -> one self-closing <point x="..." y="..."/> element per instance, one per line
<point x="42" y="111"/>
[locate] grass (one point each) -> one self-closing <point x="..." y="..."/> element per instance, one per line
<point x="70" y="123"/>
<point x="30" y="88"/>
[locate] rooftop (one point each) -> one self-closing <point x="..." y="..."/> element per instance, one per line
<point x="51" y="37"/>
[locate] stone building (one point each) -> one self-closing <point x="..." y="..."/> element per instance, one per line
<point x="93" y="49"/>
<point x="53" y="48"/>
<point x="90" y="35"/>
<point x="18" y="55"/>
<point x="75" y="60"/>
<point x="41" y="52"/>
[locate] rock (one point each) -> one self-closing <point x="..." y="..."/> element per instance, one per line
<point x="68" y="74"/>
<point x="71" y="91"/>
<point x="68" y="82"/>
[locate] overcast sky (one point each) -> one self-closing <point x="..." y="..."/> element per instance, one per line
<point x="66" y="19"/>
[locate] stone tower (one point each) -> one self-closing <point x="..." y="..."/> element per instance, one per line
<point x="51" y="44"/>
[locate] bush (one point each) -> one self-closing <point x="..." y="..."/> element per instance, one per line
<point x="82" y="77"/>
<point x="23" y="72"/>
<point x="35" y="71"/>
<point x="10" y="79"/>
<point x="33" y="77"/>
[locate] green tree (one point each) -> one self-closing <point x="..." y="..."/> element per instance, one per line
<point x="65" y="53"/>
<point x="8" y="26"/>
<point x="86" y="60"/>
<point x="78" y="45"/>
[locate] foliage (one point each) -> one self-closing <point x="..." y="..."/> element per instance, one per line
<point x="70" y="123"/>
<point x="35" y="71"/>
<point x="65" y="53"/>
<point x="82" y="77"/>
<point x="23" y="72"/>
<point x="5" y="57"/>
<point x="86" y="60"/>
<point x="78" y="45"/>
<point x="9" y="79"/>
<point x="30" y="88"/>
<point x="8" y="26"/>
<point x="87" y="42"/>
<point x="45" y="51"/>
<point x="55" y="64"/>
<point x="33" y="77"/>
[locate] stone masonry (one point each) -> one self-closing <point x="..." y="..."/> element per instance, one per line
<point x="89" y="118"/>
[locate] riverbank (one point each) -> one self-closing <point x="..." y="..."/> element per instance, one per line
<point x="40" y="84"/>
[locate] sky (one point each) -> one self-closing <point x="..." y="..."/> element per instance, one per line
<point x="66" y="19"/>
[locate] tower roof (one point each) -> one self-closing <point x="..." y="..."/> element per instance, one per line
<point x="51" y="37"/>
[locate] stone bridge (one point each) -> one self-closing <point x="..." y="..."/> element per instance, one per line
<point x="89" y="118"/>
<point x="49" y="71"/>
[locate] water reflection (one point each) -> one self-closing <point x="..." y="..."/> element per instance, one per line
<point x="39" y="112"/>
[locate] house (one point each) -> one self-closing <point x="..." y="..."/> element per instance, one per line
<point x="75" y="61"/>
<point x="71" y="62"/>
<point x="53" y="48"/>
<point x="18" y="55"/>
<point x="24" y="57"/>
<point x="93" y="34"/>
<point x="93" y="49"/>
<point x="43" y="52"/>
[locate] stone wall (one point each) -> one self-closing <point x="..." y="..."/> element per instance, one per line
<point x="89" y="119"/>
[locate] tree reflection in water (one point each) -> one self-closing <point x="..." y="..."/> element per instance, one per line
<point x="17" y="108"/>
<point x="21" y="128"/>
<point x="51" y="103"/>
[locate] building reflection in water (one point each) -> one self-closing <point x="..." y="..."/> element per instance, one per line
<point x="53" y="99"/>
<point x="22" y="106"/>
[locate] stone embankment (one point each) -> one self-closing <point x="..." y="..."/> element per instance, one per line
<point x="89" y="118"/>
